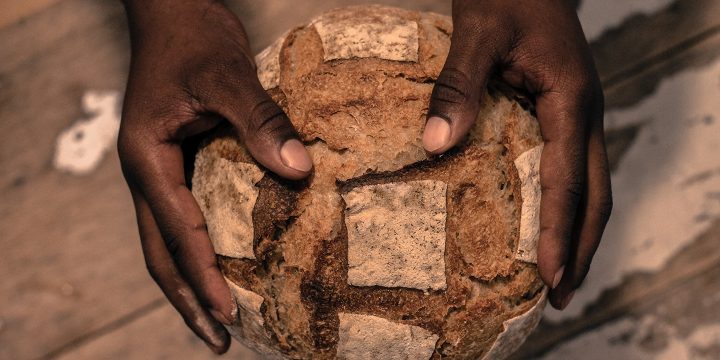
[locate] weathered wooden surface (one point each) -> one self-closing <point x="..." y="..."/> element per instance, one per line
<point x="75" y="285"/>
<point x="699" y="263"/>
<point x="157" y="333"/>
<point x="679" y="323"/>
<point x="13" y="11"/>
<point x="71" y="260"/>
<point x="633" y="58"/>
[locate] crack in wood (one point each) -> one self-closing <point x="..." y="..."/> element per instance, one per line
<point x="106" y="329"/>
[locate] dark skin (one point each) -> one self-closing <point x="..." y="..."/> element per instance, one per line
<point x="191" y="69"/>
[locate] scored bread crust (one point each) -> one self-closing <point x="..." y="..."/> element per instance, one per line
<point x="362" y="120"/>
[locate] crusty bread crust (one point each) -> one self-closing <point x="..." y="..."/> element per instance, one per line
<point x="362" y="120"/>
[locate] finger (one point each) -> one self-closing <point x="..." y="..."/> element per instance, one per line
<point x="159" y="173"/>
<point x="594" y="214"/>
<point x="265" y="129"/>
<point x="561" y="114"/>
<point x="163" y="271"/>
<point x="455" y="99"/>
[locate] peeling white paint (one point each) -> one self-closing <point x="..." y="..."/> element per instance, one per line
<point x="633" y="340"/>
<point x="363" y="337"/>
<point x="667" y="186"/>
<point x="596" y="16"/>
<point x="81" y="147"/>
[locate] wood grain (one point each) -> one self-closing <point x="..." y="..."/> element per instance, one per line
<point x="152" y="336"/>
<point x="71" y="257"/>
<point x="698" y="264"/>
<point x="644" y="45"/>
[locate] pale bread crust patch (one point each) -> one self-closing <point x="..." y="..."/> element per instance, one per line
<point x="396" y="234"/>
<point x="226" y="193"/>
<point x="250" y="328"/>
<point x="365" y="337"/>
<point x="347" y="35"/>
<point x="528" y="167"/>
<point x="268" y="64"/>
<point x="516" y="330"/>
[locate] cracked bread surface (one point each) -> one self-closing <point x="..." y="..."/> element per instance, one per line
<point x="362" y="119"/>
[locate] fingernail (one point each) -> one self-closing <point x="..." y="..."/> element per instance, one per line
<point x="567" y="300"/>
<point x="558" y="276"/>
<point x="437" y="134"/>
<point x="294" y="155"/>
<point x="219" y="316"/>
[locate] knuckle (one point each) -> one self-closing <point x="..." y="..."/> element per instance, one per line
<point x="183" y="232"/>
<point x="268" y="119"/>
<point x="604" y="207"/>
<point x="172" y="243"/>
<point x="570" y="183"/>
<point x="574" y="188"/>
<point x="451" y="87"/>
<point x="197" y="228"/>
<point x="548" y="231"/>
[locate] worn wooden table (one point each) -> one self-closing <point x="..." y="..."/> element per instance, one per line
<point x="74" y="283"/>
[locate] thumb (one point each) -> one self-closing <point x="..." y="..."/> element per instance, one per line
<point x="455" y="99"/>
<point x="263" y="126"/>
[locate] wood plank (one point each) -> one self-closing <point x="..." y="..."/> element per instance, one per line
<point x="643" y="81"/>
<point x="645" y="37"/>
<point x="633" y="58"/>
<point x="637" y="293"/>
<point x="71" y="260"/>
<point x="682" y="323"/>
<point x="160" y="334"/>
<point x="70" y="251"/>
<point x="46" y="64"/>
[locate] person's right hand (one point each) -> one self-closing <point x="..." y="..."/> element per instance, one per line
<point x="191" y="69"/>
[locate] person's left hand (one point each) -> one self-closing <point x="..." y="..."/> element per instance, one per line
<point x="538" y="46"/>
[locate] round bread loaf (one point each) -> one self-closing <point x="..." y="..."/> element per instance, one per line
<point x="383" y="252"/>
